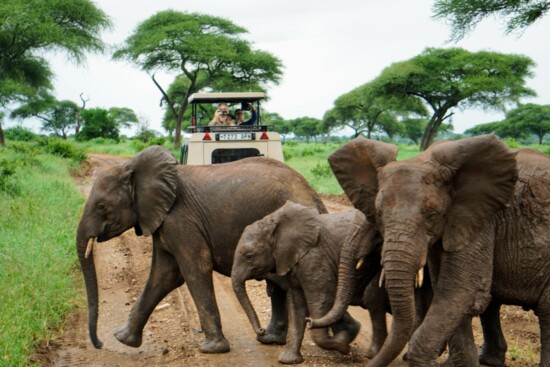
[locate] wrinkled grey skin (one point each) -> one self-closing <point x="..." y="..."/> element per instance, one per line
<point x="196" y="215"/>
<point x="303" y="248"/>
<point x="479" y="215"/>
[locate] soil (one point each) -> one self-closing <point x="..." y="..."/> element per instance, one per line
<point x="173" y="334"/>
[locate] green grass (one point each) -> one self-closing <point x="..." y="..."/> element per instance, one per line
<point x="311" y="161"/>
<point x="37" y="252"/>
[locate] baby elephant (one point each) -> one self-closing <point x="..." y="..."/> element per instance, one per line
<point x="302" y="248"/>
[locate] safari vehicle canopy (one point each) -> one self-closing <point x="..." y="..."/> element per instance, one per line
<point x="221" y="144"/>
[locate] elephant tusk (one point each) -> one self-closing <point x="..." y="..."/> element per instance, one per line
<point x="420" y="277"/>
<point x="89" y="247"/>
<point x="360" y="263"/>
<point x="381" y="280"/>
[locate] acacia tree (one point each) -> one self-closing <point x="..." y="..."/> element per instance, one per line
<point x="446" y="79"/>
<point x="205" y="50"/>
<point x="57" y="116"/>
<point x="529" y="119"/>
<point x="366" y="110"/>
<point x="464" y="15"/>
<point x="30" y="28"/>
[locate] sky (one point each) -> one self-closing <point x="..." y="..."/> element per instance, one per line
<point x="327" y="48"/>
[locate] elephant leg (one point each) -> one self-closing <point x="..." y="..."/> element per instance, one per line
<point x="543" y="312"/>
<point x="462" y="347"/>
<point x="493" y="351"/>
<point x="164" y="277"/>
<point x="277" y="328"/>
<point x="297" y="310"/>
<point x="344" y="332"/>
<point x="375" y="300"/>
<point x="461" y="289"/>
<point x="197" y="271"/>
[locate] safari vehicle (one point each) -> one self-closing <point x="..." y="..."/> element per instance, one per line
<point x="221" y="144"/>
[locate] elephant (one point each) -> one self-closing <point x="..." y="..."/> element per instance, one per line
<point x="302" y="248"/>
<point x="478" y="213"/>
<point x="196" y="215"/>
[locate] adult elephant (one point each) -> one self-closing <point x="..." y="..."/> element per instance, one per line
<point x="478" y="213"/>
<point x="196" y="215"/>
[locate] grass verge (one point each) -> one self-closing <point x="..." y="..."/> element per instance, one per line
<point x="38" y="216"/>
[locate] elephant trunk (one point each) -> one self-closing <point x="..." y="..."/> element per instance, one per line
<point x="400" y="272"/>
<point x="344" y="290"/>
<point x="84" y="245"/>
<point x="360" y="245"/>
<point x="240" y="291"/>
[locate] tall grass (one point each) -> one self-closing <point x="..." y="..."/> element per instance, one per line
<point x="37" y="253"/>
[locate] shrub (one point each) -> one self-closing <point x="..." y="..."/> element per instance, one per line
<point x="64" y="149"/>
<point x="322" y="170"/>
<point x="8" y="182"/>
<point x="512" y="143"/>
<point x="19" y="133"/>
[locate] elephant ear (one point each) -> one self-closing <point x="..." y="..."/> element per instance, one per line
<point x="484" y="177"/>
<point x="296" y="233"/>
<point x="154" y="178"/>
<point x="355" y="165"/>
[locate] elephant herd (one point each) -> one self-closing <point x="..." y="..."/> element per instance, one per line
<point x="435" y="240"/>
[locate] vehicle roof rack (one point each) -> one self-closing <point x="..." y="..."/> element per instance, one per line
<point x="226" y="97"/>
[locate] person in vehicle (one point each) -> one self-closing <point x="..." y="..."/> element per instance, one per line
<point x="239" y="116"/>
<point x="222" y="117"/>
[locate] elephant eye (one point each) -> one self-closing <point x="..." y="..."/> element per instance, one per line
<point x="248" y="256"/>
<point x="102" y="208"/>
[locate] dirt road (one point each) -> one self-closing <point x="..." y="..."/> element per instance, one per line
<point x="172" y="335"/>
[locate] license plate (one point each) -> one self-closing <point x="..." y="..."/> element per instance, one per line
<point x="235" y="136"/>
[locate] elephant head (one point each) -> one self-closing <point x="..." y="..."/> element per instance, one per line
<point x="445" y="195"/>
<point x="139" y="194"/>
<point x="275" y="243"/>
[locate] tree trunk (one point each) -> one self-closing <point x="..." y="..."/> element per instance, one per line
<point x="2" y="139"/>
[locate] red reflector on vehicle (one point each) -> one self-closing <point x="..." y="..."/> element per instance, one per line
<point x="206" y="136"/>
<point x="264" y="136"/>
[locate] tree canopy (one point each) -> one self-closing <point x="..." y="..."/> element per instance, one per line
<point x="57" y="117"/>
<point x="366" y="110"/>
<point x="31" y="28"/>
<point x="464" y="15"/>
<point x="208" y="51"/>
<point x="451" y="78"/>
<point x="102" y="123"/>
<point x="529" y="119"/>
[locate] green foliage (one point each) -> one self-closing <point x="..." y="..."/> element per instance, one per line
<point x="456" y="78"/>
<point x="32" y="27"/>
<point x="366" y="111"/>
<point x="464" y="15"/>
<point x="98" y="124"/>
<point x="511" y="142"/>
<point x="64" y="149"/>
<point x="322" y="170"/>
<point x="19" y="133"/>
<point x="37" y="256"/>
<point x="139" y="145"/>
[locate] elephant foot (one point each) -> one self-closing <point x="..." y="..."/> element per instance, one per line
<point x="373" y="351"/>
<point x="215" y="346"/>
<point x="124" y="336"/>
<point x="273" y="336"/>
<point x="339" y="342"/>
<point x="290" y="357"/>
<point x="489" y="359"/>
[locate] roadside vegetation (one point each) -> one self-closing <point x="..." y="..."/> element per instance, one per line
<point x="39" y="210"/>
